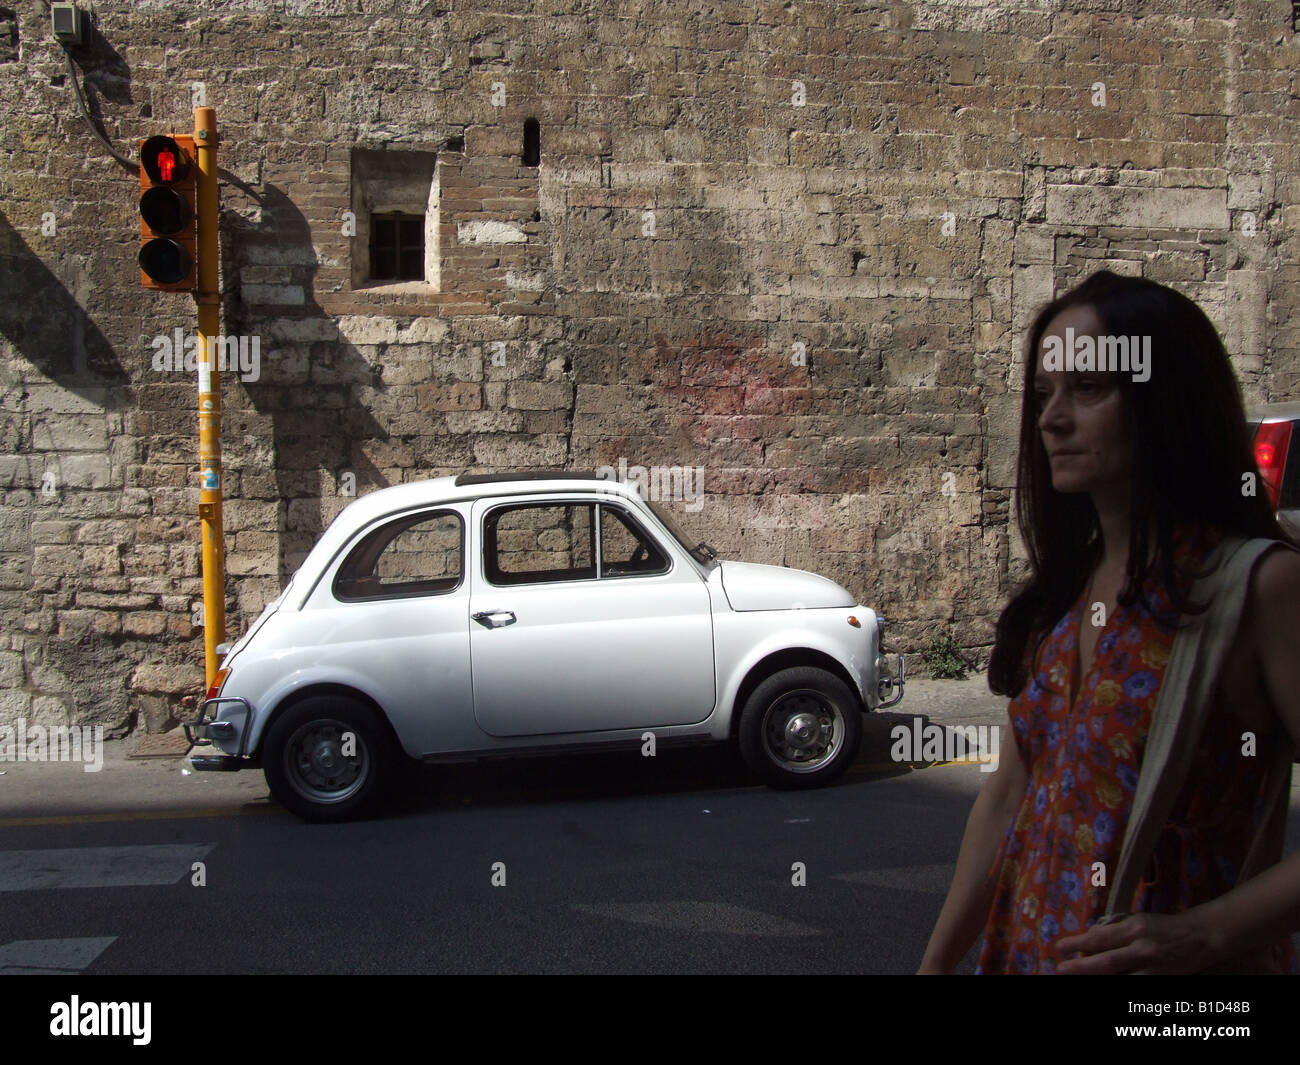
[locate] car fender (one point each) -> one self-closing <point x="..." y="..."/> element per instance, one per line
<point x="855" y="650"/>
<point x="285" y="689"/>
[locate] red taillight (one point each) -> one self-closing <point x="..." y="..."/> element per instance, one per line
<point x="1272" y="441"/>
<point x="217" y="682"/>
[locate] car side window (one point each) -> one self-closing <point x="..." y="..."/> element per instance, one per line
<point x="421" y="554"/>
<point x="536" y="543"/>
<point x="626" y="550"/>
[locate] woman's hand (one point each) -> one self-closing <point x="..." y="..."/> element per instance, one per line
<point x="1141" y="943"/>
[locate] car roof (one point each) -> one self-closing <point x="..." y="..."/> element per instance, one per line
<point x="1273" y="412"/>
<point x="435" y="490"/>
<point x="475" y="486"/>
<point x="479" y="485"/>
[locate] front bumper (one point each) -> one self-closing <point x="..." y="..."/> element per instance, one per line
<point x="886" y="684"/>
<point x="225" y="729"/>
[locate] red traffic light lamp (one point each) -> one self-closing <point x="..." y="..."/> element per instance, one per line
<point x="168" y="221"/>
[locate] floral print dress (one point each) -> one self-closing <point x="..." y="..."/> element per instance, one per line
<point x="1081" y="741"/>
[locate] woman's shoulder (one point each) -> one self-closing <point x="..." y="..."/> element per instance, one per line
<point x="1195" y="543"/>
<point x="1274" y="593"/>
<point x="1267" y="638"/>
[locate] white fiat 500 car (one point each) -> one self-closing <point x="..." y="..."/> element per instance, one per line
<point x="459" y="617"/>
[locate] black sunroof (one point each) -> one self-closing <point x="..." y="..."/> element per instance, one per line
<point x="525" y="475"/>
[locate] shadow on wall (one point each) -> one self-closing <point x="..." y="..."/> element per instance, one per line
<point x="52" y="346"/>
<point x="105" y="72"/>
<point x="48" y="328"/>
<point x="314" y="385"/>
<point x="39" y="317"/>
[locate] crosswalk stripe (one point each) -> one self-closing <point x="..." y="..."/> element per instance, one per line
<point x="52" y="957"/>
<point x="691" y="916"/>
<point x="134" y="815"/>
<point x="93" y="867"/>
<point x="930" y="879"/>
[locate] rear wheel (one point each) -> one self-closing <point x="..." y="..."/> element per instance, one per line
<point x="327" y="758"/>
<point x="800" y="728"/>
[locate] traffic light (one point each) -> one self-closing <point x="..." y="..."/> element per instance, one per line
<point x="168" y="215"/>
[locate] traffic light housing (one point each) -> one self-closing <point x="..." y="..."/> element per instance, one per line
<point x="168" y="213"/>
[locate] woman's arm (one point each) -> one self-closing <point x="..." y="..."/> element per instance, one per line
<point x="1265" y="908"/>
<point x="975" y="880"/>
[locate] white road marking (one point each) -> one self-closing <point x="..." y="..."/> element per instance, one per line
<point x="699" y="917"/>
<point x="94" y="867"/>
<point x="930" y="879"/>
<point x="54" y="957"/>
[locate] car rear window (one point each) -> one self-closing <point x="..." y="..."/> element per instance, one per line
<point x="421" y="554"/>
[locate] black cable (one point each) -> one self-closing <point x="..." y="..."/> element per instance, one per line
<point x="81" y="99"/>
<point x="133" y="167"/>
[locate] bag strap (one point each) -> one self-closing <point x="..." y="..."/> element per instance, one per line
<point x="1182" y="704"/>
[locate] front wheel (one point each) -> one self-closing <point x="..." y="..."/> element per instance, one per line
<point x="800" y="728"/>
<point x="328" y="759"/>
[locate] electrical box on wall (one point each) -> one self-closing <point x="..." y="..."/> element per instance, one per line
<point x="69" y="23"/>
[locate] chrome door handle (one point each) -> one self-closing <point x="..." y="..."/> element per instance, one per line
<point x="494" y="619"/>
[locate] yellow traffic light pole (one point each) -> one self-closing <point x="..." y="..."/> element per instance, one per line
<point x="208" y="297"/>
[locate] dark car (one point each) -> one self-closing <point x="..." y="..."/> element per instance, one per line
<point x="1277" y="450"/>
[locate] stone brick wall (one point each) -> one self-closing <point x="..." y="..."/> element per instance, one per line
<point x="795" y="245"/>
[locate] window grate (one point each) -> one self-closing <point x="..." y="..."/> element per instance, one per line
<point x="396" y="247"/>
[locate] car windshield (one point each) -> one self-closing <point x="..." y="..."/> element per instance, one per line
<point x="698" y="549"/>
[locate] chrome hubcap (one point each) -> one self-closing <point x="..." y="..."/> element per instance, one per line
<point x="317" y="765"/>
<point x="803" y="731"/>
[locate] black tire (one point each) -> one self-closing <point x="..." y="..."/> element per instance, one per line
<point x="306" y="769"/>
<point x="800" y="728"/>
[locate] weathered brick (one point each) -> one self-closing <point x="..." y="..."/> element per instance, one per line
<point x="460" y="396"/>
<point x="144" y="623"/>
<point x="821" y="225"/>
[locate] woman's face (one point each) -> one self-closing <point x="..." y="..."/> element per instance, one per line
<point x="1081" y="418"/>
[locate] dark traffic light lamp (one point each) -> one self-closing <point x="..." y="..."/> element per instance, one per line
<point x="168" y="221"/>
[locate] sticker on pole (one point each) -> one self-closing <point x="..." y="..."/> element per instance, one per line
<point x="211" y="480"/>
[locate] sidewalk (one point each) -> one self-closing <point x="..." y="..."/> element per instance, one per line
<point x="138" y="788"/>
<point x="929" y="705"/>
<point x="952" y="702"/>
<point x="124" y="788"/>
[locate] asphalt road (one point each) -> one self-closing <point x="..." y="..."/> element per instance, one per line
<point x="614" y="872"/>
<point x="603" y="864"/>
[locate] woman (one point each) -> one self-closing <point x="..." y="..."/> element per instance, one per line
<point x="1128" y="478"/>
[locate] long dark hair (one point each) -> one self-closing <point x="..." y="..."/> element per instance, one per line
<point x="1192" y="447"/>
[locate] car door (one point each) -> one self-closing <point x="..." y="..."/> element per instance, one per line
<point x="583" y="621"/>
